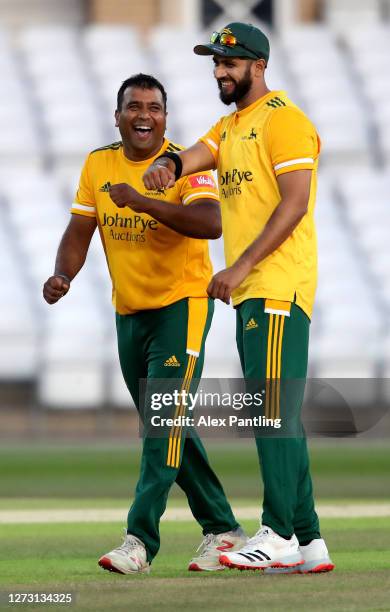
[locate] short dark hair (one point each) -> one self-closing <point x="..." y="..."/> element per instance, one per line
<point x="144" y="81"/>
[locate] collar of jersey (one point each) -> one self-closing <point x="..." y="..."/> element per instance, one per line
<point x="259" y="102"/>
<point x="149" y="160"/>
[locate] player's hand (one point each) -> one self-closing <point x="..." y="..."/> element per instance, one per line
<point x="159" y="175"/>
<point x="124" y="195"/>
<point x="55" y="288"/>
<point x="223" y="283"/>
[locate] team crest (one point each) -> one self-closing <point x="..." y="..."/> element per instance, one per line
<point x="251" y="136"/>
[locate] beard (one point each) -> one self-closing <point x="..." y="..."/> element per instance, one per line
<point x="240" y="90"/>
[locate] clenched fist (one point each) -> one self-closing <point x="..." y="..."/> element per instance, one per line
<point x="123" y="195"/>
<point x="160" y="175"/>
<point x="55" y="288"/>
<point x="223" y="283"/>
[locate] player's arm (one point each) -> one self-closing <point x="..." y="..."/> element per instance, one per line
<point x="294" y="189"/>
<point x="198" y="219"/>
<point x="164" y="172"/>
<point x="169" y="167"/>
<point x="71" y="255"/>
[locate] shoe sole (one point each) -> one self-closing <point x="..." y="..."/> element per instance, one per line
<point x="194" y="567"/>
<point x="277" y="564"/>
<point x="106" y="564"/>
<point x="323" y="567"/>
<point x="318" y="569"/>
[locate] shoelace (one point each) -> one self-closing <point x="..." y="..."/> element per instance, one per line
<point x="208" y="540"/>
<point x="128" y="545"/>
<point x="259" y="536"/>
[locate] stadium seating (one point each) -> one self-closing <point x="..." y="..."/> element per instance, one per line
<point x="59" y="88"/>
<point x="18" y="13"/>
<point x="187" y="121"/>
<point x="349" y="14"/>
<point x="366" y="201"/>
<point x="18" y="332"/>
<point x="372" y="69"/>
<point x="70" y="110"/>
<point x="326" y="89"/>
<point x="17" y="121"/>
<point x="349" y="320"/>
<point x="113" y="53"/>
<point x="73" y="353"/>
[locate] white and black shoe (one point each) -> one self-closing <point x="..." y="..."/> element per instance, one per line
<point x="129" y="558"/>
<point x="316" y="560"/>
<point x="265" y="549"/>
<point x="212" y="546"/>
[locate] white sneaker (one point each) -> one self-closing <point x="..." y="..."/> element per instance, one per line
<point x="316" y="559"/>
<point x="129" y="558"/>
<point x="211" y="548"/>
<point x="265" y="549"/>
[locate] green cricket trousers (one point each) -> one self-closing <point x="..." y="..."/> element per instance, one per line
<point x="272" y="340"/>
<point x="168" y="343"/>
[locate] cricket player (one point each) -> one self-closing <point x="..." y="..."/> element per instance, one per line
<point x="158" y="260"/>
<point x="266" y="153"/>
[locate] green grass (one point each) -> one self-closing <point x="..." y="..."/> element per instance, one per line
<point x="340" y="470"/>
<point x="62" y="558"/>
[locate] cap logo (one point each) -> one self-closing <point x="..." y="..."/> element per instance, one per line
<point x="226" y="31"/>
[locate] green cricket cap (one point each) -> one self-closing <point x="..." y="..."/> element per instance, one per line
<point x="250" y="42"/>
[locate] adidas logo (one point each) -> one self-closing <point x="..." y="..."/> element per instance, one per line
<point x="251" y="324"/>
<point x="105" y="187"/>
<point x="172" y="361"/>
<point x="276" y="102"/>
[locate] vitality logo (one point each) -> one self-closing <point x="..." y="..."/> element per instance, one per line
<point x="201" y="180"/>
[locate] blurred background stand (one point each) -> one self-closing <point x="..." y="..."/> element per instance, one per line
<point x="61" y="65"/>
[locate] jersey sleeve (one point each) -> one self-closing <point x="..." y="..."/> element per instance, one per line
<point x="84" y="202"/>
<point x="212" y="140"/>
<point x="293" y="141"/>
<point x="198" y="186"/>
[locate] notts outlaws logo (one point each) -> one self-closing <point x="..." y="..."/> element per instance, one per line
<point x="251" y="136"/>
<point x="156" y="193"/>
<point x="232" y="181"/>
<point x="138" y="224"/>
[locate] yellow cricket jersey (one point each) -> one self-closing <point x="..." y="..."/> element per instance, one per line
<point x="151" y="266"/>
<point x="251" y="148"/>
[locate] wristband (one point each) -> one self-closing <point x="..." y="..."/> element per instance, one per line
<point x="176" y="160"/>
<point x="64" y="277"/>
